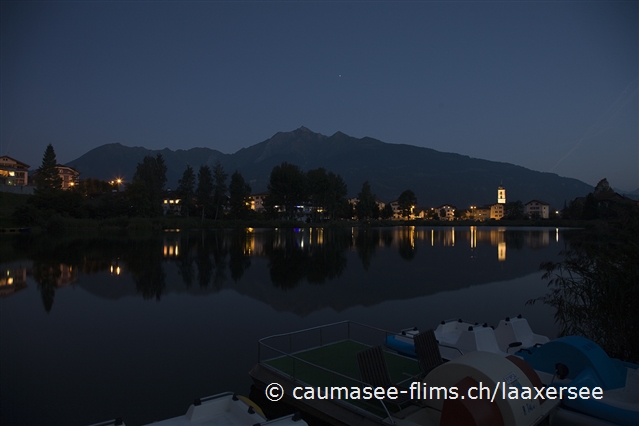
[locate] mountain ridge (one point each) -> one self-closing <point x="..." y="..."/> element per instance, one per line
<point x="436" y="177"/>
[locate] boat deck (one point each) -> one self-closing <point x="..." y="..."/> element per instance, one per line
<point x="317" y="366"/>
<point x="325" y="357"/>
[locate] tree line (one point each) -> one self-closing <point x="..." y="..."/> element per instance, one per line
<point x="317" y="195"/>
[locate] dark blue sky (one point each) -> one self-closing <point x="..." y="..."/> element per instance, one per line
<point x="551" y="86"/>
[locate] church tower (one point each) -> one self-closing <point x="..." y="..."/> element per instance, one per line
<point x="501" y="195"/>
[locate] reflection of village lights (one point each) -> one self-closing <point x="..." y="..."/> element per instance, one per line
<point x="557" y="234"/>
<point x="412" y="237"/>
<point x="473" y="236"/>
<point x="432" y="237"/>
<point x="170" y="250"/>
<point x="501" y="251"/>
<point x="453" y="232"/>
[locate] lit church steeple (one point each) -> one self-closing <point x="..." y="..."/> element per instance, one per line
<point x="501" y="195"/>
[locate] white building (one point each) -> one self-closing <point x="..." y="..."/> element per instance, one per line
<point x="536" y="208"/>
<point x="13" y="172"/>
<point x="446" y="212"/>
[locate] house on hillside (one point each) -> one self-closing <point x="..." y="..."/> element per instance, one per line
<point x="536" y="208"/>
<point x="380" y="204"/>
<point x="171" y="204"/>
<point x="257" y="201"/>
<point x="420" y="213"/>
<point x="70" y="176"/>
<point x="446" y="212"/>
<point x="13" y="172"/>
<point x="397" y="212"/>
<point x="480" y="213"/>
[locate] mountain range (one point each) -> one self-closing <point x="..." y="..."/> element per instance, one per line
<point x="435" y="177"/>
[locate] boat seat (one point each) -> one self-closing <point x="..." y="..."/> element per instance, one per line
<point x="427" y="350"/>
<point x="373" y="370"/>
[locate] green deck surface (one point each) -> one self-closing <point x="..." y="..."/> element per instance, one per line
<point x="340" y="357"/>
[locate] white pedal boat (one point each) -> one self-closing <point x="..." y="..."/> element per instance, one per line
<point x="457" y="337"/>
<point x="224" y="409"/>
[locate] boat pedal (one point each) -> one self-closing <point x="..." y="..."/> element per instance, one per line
<point x="251" y="410"/>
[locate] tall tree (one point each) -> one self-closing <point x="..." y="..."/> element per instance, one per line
<point x="239" y="192"/>
<point x="204" y="191"/>
<point x="514" y="210"/>
<point x="594" y="288"/>
<point x="366" y="207"/>
<point x="327" y="191"/>
<point x="219" y="188"/>
<point x="47" y="177"/>
<point x="337" y="195"/>
<point x="147" y="185"/>
<point x="287" y="187"/>
<point x="318" y="187"/>
<point x="186" y="189"/>
<point x="407" y="202"/>
<point x="91" y="186"/>
<point x="387" y="212"/>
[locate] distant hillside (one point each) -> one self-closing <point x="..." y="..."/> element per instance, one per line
<point x="632" y="194"/>
<point x="435" y="177"/>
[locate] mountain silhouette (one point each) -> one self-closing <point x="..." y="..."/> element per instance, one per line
<point x="435" y="177"/>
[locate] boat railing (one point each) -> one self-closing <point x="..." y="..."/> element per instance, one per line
<point x="287" y="347"/>
<point x="309" y="338"/>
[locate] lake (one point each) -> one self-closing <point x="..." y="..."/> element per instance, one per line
<point x="137" y="326"/>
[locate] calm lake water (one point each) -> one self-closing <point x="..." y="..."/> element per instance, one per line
<point x="94" y="328"/>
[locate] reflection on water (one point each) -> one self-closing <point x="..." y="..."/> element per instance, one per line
<point x="138" y="326"/>
<point x="214" y="260"/>
<point x="13" y="278"/>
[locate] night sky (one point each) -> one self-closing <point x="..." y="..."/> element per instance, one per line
<point x="551" y="86"/>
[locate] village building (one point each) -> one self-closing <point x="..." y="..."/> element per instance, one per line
<point x="446" y="212"/>
<point x="13" y="172"/>
<point x="257" y="201"/>
<point x="536" y="208"/>
<point x="171" y="204"/>
<point x="69" y="176"/>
